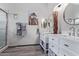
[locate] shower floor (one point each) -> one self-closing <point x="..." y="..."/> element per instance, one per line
<point x="23" y="51"/>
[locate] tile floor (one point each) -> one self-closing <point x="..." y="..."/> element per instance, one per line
<point x="23" y="51"/>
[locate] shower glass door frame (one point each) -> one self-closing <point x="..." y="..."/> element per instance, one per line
<point x="6" y="27"/>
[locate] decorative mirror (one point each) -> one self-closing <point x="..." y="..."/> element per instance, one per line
<point x="71" y="14"/>
<point x="33" y="19"/>
<point x="21" y="29"/>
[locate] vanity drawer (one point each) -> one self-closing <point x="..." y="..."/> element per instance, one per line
<point x="54" y="48"/>
<point x="51" y="53"/>
<point x="66" y="52"/>
<point x="75" y="47"/>
<point x="53" y="40"/>
<point x="71" y="45"/>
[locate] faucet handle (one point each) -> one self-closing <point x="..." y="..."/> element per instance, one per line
<point x="69" y="34"/>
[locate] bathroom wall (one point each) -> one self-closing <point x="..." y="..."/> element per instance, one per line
<point x="13" y="39"/>
<point x="23" y="11"/>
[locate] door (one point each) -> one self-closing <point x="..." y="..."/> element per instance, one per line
<point x="2" y="28"/>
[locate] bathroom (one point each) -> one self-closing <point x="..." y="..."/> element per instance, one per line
<point x="39" y="29"/>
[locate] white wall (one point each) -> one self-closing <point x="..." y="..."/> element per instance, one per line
<point x="23" y="11"/>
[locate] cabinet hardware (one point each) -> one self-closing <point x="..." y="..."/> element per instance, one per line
<point x="52" y="46"/>
<point x="52" y="39"/>
<point x="66" y="45"/>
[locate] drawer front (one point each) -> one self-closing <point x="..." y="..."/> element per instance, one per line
<point x="53" y="40"/>
<point x="54" y="48"/>
<point x="66" y="52"/>
<point x="51" y="53"/>
<point x="53" y="44"/>
<point x="72" y="45"/>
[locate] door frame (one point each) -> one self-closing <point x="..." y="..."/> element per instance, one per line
<point x="6" y="27"/>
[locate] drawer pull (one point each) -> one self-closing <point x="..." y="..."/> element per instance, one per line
<point x="52" y="46"/>
<point x="52" y="39"/>
<point x="66" y="45"/>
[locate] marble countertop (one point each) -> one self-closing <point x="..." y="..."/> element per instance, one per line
<point x="63" y="35"/>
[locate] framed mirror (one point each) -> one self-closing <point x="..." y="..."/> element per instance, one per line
<point x="71" y="14"/>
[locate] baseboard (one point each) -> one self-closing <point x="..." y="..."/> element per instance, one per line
<point x="23" y="45"/>
<point x="4" y="48"/>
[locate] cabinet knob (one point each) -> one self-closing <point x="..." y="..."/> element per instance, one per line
<point x="52" y="39"/>
<point x="52" y="46"/>
<point x="66" y="45"/>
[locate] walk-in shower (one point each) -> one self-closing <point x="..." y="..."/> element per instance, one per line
<point x="3" y="28"/>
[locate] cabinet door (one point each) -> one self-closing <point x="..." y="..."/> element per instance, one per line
<point x="68" y="47"/>
<point x="67" y="52"/>
<point x="73" y="45"/>
<point x="51" y="53"/>
<point x="53" y="47"/>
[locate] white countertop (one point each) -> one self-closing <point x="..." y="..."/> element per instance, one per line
<point x="63" y="35"/>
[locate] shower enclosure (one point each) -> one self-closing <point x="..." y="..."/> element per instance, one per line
<point x="3" y="28"/>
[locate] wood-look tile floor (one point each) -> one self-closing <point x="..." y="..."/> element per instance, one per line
<point x="23" y="51"/>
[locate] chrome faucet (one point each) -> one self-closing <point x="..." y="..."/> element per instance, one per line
<point x="73" y="31"/>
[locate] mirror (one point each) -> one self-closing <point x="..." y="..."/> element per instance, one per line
<point x="44" y="23"/>
<point x="33" y="20"/>
<point x="71" y="14"/>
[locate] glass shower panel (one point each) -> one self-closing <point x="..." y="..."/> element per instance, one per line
<point x="2" y="28"/>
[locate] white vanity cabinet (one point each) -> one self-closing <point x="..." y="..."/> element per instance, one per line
<point x="44" y="41"/>
<point x="63" y="46"/>
<point x="71" y="44"/>
<point x="66" y="52"/>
